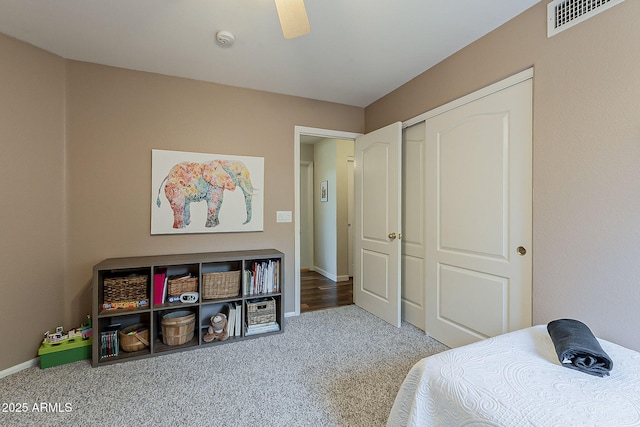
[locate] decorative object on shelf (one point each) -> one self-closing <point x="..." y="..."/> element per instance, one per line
<point x="324" y="191"/>
<point x="134" y="337"/>
<point x="189" y="297"/>
<point x="225" y="284"/>
<point x="218" y="329"/>
<point x="178" y="327"/>
<point x="190" y="178"/>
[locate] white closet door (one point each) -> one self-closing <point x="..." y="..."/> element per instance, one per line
<point x="479" y="203"/>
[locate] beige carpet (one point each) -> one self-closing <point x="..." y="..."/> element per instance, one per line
<point x="337" y="367"/>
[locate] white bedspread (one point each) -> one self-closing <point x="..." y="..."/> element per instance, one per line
<point x="516" y="380"/>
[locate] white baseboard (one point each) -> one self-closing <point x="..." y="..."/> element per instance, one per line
<point x="326" y="274"/>
<point x="25" y="365"/>
<point x="331" y="276"/>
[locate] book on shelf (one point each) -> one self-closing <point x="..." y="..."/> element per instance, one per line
<point x="262" y="328"/>
<point x="238" y="318"/>
<point x="164" y="288"/>
<point x="159" y="279"/>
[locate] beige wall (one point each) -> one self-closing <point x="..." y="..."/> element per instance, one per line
<point x="115" y="118"/>
<point x="586" y="155"/>
<point x="31" y="198"/>
<point x="96" y="178"/>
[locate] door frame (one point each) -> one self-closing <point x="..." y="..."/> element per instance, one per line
<point x="298" y="132"/>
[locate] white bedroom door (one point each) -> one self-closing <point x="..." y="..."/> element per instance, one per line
<point x="479" y="203"/>
<point x="376" y="279"/>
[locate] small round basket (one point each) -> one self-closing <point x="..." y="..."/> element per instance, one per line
<point x="134" y="337"/>
<point x="178" y="327"/>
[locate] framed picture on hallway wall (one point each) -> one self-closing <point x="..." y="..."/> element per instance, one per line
<point x="324" y="191"/>
<point x="206" y="193"/>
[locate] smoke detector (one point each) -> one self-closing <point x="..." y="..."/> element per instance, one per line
<point x="225" y="38"/>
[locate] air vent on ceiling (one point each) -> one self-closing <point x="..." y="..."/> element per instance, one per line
<point x="563" y="14"/>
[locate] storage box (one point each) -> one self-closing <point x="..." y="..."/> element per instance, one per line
<point x="261" y="311"/>
<point x="177" y="287"/>
<point x="127" y="288"/>
<point x="224" y="284"/>
<point x="68" y="352"/>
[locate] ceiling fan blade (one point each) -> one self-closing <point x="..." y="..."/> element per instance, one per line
<point x="293" y="18"/>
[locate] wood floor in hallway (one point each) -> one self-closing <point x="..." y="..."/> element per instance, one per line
<point x="317" y="292"/>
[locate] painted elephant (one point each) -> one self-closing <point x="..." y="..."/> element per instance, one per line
<point x="193" y="182"/>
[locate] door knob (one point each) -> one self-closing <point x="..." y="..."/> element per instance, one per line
<point x="392" y="236"/>
<point x="521" y="250"/>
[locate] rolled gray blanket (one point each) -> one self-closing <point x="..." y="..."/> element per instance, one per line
<point x="577" y="347"/>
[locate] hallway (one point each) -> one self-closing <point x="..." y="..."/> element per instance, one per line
<point x="317" y="292"/>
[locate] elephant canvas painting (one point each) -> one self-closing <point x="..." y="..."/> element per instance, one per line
<point x="205" y="193"/>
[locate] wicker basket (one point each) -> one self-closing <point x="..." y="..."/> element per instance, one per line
<point x="261" y="311"/>
<point x="177" y="287"/>
<point x="224" y="284"/>
<point x="134" y="342"/>
<point x="178" y="327"/>
<point x="128" y="288"/>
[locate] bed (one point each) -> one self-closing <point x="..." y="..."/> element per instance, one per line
<point x="516" y="379"/>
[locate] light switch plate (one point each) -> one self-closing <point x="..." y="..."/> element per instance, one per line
<point x="283" y="216"/>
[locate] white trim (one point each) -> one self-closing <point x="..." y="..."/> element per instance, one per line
<point x="480" y="93"/>
<point x="21" y="367"/>
<point x="326" y="274"/>
<point x="297" y="132"/>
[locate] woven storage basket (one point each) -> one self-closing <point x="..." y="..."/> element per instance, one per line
<point x="121" y="289"/>
<point x="263" y="311"/>
<point x="224" y="284"/>
<point x="177" y="287"/>
<point x="134" y="342"/>
<point x="178" y="327"/>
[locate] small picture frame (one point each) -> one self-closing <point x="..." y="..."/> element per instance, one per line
<point x="324" y="191"/>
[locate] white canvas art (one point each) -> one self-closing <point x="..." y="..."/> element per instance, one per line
<point x="205" y="193"/>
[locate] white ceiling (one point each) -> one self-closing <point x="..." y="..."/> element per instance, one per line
<point x="357" y="51"/>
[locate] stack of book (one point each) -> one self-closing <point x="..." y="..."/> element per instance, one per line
<point x="233" y="310"/>
<point x="262" y="328"/>
<point x="263" y="278"/>
<point x="109" y="345"/>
